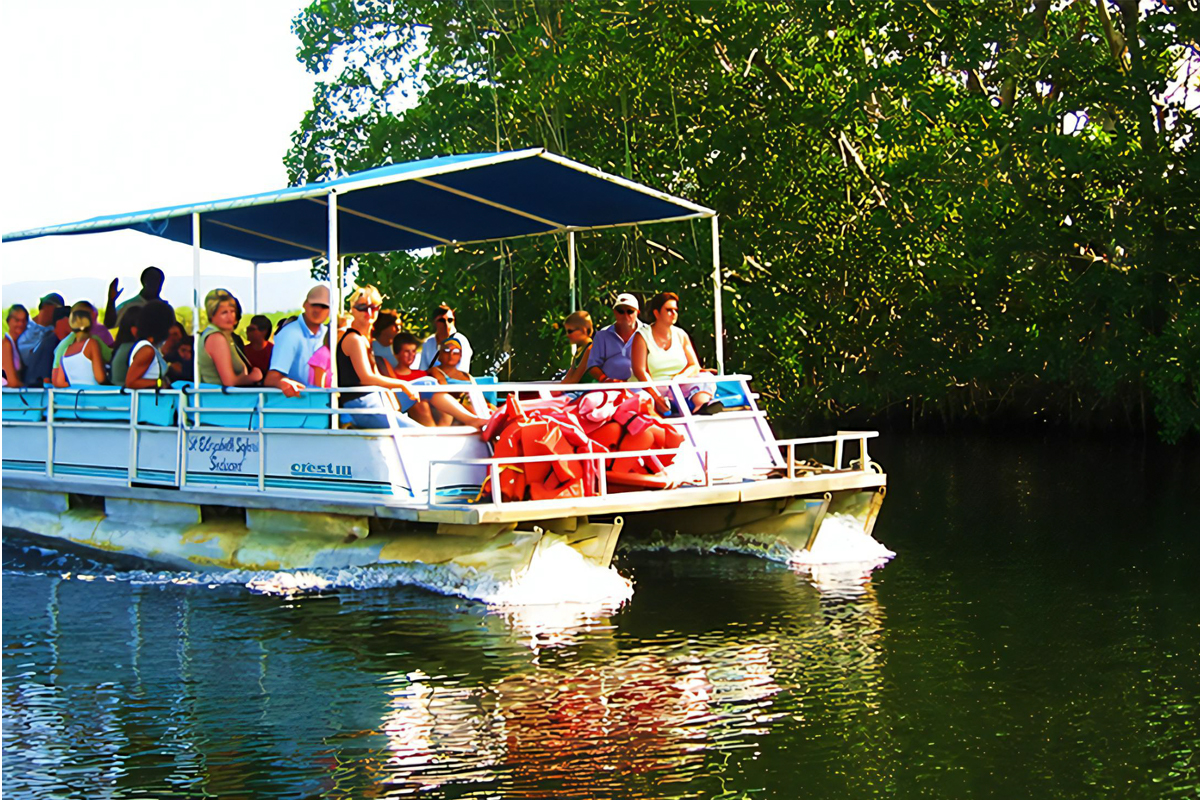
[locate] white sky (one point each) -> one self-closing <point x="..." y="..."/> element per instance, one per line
<point x="121" y="106"/>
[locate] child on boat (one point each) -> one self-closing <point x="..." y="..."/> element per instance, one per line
<point x="446" y="371"/>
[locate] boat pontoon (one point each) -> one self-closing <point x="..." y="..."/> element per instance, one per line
<point x="248" y="478"/>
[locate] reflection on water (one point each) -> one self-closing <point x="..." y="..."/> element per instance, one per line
<point x="1022" y="643"/>
<point x="111" y="685"/>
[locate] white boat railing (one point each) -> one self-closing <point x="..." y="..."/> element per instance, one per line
<point x="838" y="440"/>
<point x="495" y="465"/>
<point x="187" y="412"/>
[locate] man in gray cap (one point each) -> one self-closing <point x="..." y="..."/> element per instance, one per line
<point x="41" y="327"/>
<point x="296" y="342"/>
<point x="609" y="359"/>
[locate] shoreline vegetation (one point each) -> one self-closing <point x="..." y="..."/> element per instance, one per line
<point x="953" y="215"/>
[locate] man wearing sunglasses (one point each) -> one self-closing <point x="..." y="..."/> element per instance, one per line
<point x="296" y="342"/>
<point x="443" y="329"/>
<point x="609" y="360"/>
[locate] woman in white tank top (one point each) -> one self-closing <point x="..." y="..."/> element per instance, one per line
<point x="146" y="367"/>
<point x="82" y="363"/>
<point x="663" y="352"/>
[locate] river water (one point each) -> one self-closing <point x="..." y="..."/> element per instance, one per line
<point x="1036" y="636"/>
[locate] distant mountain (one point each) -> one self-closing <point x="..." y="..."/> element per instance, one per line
<point x="277" y="291"/>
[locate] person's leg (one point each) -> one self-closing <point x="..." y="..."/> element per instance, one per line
<point x="700" y="399"/>
<point x="452" y="409"/>
<point x="368" y="401"/>
<point x="422" y="413"/>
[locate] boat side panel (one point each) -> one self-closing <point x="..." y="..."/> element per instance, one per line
<point x="91" y="452"/>
<point x="24" y="449"/>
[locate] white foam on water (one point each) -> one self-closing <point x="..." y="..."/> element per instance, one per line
<point x="842" y="541"/>
<point x="556" y="574"/>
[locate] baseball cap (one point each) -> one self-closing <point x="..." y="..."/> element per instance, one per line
<point x="318" y="294"/>
<point x="627" y="300"/>
<point x="53" y="297"/>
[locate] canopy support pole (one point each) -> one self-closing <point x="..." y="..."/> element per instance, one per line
<point x="254" y="289"/>
<point x="718" y="316"/>
<point x="571" y="270"/>
<point x="196" y="303"/>
<point x="335" y="302"/>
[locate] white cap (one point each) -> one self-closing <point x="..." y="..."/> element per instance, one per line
<point x="627" y="300"/>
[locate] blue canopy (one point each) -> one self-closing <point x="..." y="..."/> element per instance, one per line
<point x="435" y="201"/>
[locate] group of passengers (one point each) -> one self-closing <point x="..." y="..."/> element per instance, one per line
<point x="629" y="349"/>
<point x="70" y="347"/>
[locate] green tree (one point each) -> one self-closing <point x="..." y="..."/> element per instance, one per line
<point x="943" y="210"/>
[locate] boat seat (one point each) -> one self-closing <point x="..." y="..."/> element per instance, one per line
<point x="304" y="400"/>
<point x="245" y="420"/>
<point x="491" y="397"/>
<point x="24" y="405"/>
<point x="732" y="394"/>
<point x="104" y="405"/>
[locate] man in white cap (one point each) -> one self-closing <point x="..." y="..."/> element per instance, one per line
<point x="609" y="359"/>
<point x="297" y="341"/>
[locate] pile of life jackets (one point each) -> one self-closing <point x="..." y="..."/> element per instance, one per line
<point x="608" y="421"/>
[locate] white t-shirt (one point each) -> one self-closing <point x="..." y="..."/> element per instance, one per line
<point x="430" y="347"/>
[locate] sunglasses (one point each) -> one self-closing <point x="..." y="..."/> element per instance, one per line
<point x="446" y="319"/>
<point x="367" y="307"/>
<point x="320" y="305"/>
<point x="624" y="311"/>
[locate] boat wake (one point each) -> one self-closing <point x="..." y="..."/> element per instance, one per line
<point x="556" y="574"/>
<point x="841" y="541"/>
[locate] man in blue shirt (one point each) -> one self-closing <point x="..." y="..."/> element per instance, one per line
<point x="297" y="341"/>
<point x="609" y="359"/>
<point x="40" y="328"/>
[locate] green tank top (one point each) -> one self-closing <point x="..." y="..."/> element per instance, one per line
<point x="208" y="369"/>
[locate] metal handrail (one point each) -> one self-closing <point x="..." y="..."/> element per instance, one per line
<point x="495" y="462"/>
<point x="838" y="439"/>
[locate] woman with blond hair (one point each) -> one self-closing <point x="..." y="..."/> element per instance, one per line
<point x="356" y="367"/>
<point x="82" y="362"/>
<point x="221" y="363"/>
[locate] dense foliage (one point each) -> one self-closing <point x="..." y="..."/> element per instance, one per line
<point x="942" y="209"/>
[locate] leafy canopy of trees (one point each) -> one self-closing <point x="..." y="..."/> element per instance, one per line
<point x="937" y="209"/>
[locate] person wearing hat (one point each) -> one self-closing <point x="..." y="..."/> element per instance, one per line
<point x="297" y="342"/>
<point x="609" y="359"/>
<point x="40" y="328"/>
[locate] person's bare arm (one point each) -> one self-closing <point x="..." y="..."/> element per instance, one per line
<point x="218" y="349"/>
<point x="638" y="354"/>
<point x="10" y="369"/>
<point x="97" y="359"/>
<point x="110" y="310"/>
<point x="358" y="352"/>
<point x="277" y="380"/>
<point x="138" y="365"/>
<point x="576" y="375"/>
<point x="58" y="378"/>
<point x="693" y="363"/>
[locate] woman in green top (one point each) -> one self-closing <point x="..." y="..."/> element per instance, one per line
<point x="220" y="361"/>
<point x="579" y="330"/>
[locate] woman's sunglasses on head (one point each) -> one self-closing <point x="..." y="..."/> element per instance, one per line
<point x="365" y="307"/>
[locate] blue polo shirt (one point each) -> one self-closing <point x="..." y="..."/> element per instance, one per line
<point x="294" y="346"/>
<point x="611" y="355"/>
